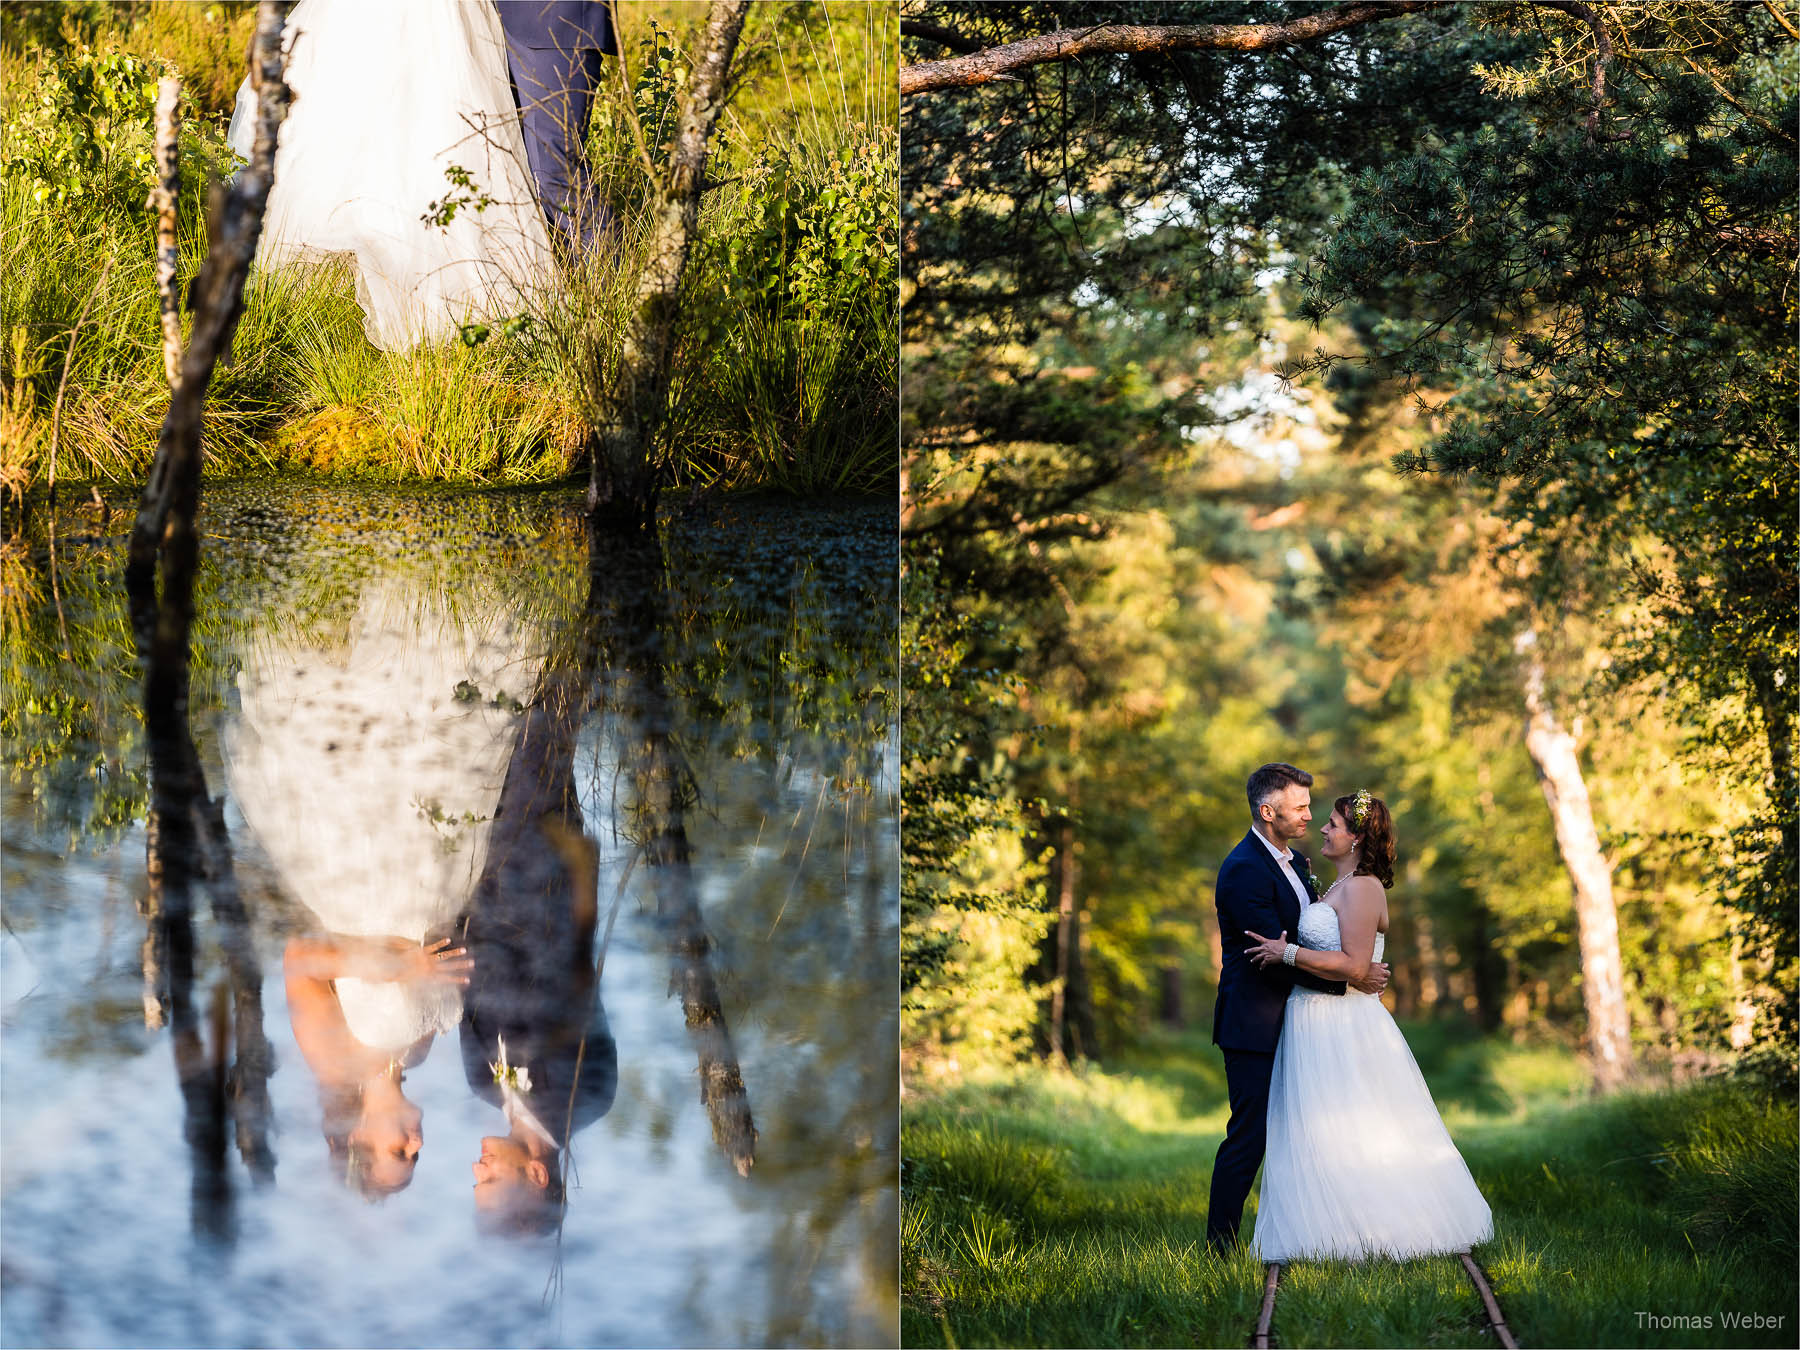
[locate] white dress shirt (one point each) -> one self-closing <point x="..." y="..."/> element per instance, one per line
<point x="1285" y="856"/>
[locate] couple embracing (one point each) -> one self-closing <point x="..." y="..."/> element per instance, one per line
<point x="427" y="823"/>
<point x="1325" y="1096"/>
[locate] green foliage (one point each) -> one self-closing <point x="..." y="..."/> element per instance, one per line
<point x="1586" y="334"/>
<point x="202" y="43"/>
<point x="81" y="297"/>
<point x="85" y="141"/>
<point x="653" y="96"/>
<point x="1606" y="315"/>
<point x="793" y="329"/>
<point x="971" y="903"/>
<point x="464" y="194"/>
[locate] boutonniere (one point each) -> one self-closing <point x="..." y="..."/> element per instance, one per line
<point x="515" y="1076"/>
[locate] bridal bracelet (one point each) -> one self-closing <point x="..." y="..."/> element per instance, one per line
<point x="1289" y="952"/>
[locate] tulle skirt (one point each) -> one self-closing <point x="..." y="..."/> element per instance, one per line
<point x="388" y="96"/>
<point x="368" y="770"/>
<point x="1359" y="1163"/>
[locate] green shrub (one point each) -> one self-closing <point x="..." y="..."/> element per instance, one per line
<point x="794" y="321"/>
<point x="83" y="141"/>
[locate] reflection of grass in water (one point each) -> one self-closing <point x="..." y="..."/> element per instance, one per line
<point x="284" y="565"/>
<point x="1057" y="1209"/>
<point x="21" y="590"/>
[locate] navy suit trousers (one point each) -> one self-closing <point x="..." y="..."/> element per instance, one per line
<point x="1247" y="1075"/>
<point x="555" y="93"/>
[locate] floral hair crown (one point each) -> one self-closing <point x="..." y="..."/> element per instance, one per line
<point x="1359" y="809"/>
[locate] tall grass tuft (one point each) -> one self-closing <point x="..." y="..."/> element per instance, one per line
<point x="795" y="326"/>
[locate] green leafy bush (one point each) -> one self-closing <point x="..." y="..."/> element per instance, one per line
<point x="85" y="140"/>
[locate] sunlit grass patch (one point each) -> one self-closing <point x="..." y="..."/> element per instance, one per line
<point x="1056" y="1208"/>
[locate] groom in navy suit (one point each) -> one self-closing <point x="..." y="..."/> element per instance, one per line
<point x="554" y="50"/>
<point x="535" y="1041"/>
<point x="1263" y="885"/>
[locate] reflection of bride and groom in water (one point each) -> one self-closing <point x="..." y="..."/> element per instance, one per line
<point x="414" y="785"/>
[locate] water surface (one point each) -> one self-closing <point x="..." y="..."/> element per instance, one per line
<point x="370" y="667"/>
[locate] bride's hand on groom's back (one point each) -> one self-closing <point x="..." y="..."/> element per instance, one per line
<point x="400" y="959"/>
<point x="1264" y="951"/>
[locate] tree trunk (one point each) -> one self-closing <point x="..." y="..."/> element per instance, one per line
<point x="1431" y="965"/>
<point x="162" y="202"/>
<point x="185" y="836"/>
<point x="1483" y="970"/>
<point x="1063" y="938"/>
<point x="1169" y="1012"/>
<point x="622" y="475"/>
<point x="1552" y="751"/>
<point x="1775" y="911"/>
<point x="1080" y="1035"/>
<point x="164" y="528"/>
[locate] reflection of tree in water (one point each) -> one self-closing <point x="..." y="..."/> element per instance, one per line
<point x="776" y="697"/>
<point x="626" y="620"/>
<point x="188" y="849"/>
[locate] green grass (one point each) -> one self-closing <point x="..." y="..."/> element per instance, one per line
<point x="1049" y="1208"/>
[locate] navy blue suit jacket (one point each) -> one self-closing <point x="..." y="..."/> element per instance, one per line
<point x="569" y="26"/>
<point x="532" y="942"/>
<point x="1252" y="893"/>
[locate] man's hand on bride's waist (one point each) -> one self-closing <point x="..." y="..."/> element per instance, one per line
<point x="1374" y="981"/>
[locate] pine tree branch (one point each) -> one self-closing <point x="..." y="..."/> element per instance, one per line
<point x="1782" y="19"/>
<point x="1000" y="63"/>
<point x="1603" y="51"/>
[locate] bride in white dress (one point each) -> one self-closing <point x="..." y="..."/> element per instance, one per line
<point x="1359" y="1163"/>
<point x="389" y="95"/>
<point x="368" y="770"/>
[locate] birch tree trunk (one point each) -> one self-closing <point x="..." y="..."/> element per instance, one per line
<point x="162" y="202"/>
<point x="186" y="840"/>
<point x="621" y="472"/>
<point x="1552" y="750"/>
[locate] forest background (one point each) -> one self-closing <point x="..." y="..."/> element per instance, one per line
<point x="785" y="373"/>
<point x="1415" y="405"/>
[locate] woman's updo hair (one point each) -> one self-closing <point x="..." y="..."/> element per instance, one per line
<point x="343" y="1104"/>
<point x="1368" y="819"/>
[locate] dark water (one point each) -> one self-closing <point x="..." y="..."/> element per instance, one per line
<point x="720" y="720"/>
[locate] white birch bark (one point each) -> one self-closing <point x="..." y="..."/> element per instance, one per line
<point x="1553" y="753"/>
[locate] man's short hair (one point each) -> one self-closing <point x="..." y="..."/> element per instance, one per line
<point x="529" y="1212"/>
<point x="1274" y="778"/>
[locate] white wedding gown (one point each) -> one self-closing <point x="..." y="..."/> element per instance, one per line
<point x="369" y="770"/>
<point x="1358" y="1163"/>
<point x="387" y="95"/>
